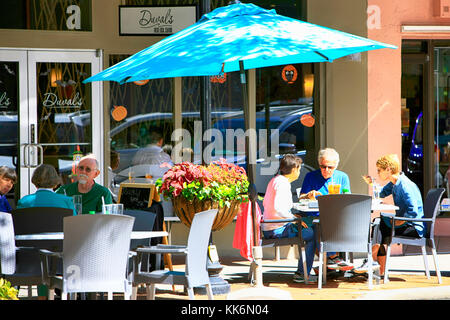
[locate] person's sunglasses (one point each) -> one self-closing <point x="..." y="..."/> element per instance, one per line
<point x="327" y="167"/>
<point x="86" y="169"/>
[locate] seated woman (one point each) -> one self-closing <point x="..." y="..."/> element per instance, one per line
<point x="45" y="178"/>
<point x="8" y="178"/>
<point x="406" y="196"/>
<point x="278" y="204"/>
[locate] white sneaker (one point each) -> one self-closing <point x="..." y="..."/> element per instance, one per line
<point x="364" y="268"/>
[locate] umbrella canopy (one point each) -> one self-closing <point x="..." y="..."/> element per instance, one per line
<point x="237" y="37"/>
<point x="238" y="32"/>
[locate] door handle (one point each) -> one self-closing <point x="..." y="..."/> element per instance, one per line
<point x="35" y="147"/>
<point x="26" y="155"/>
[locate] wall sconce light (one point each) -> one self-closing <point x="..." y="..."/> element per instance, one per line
<point x="308" y="85"/>
<point x="55" y="75"/>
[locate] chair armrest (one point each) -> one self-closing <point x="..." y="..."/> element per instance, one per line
<point x="131" y="253"/>
<point x="26" y="248"/>
<point x="281" y="220"/>
<point x="45" y="267"/>
<point x="157" y="249"/>
<point x="387" y="214"/>
<point x="170" y="246"/>
<point x="413" y="219"/>
<point x="392" y="216"/>
<point x="45" y="252"/>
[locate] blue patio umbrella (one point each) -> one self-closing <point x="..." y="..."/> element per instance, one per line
<point x="237" y="37"/>
<point x="236" y="33"/>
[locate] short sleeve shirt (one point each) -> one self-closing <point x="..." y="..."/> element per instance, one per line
<point x="92" y="200"/>
<point x="4" y="204"/>
<point x="315" y="181"/>
<point x="408" y="198"/>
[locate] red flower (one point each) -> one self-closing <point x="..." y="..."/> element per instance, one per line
<point x="175" y="179"/>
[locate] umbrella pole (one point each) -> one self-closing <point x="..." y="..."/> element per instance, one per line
<point x="256" y="265"/>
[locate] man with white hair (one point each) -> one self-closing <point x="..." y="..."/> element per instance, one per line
<point x="90" y="191"/>
<point x="316" y="184"/>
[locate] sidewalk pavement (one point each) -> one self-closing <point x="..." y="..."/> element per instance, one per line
<point x="407" y="282"/>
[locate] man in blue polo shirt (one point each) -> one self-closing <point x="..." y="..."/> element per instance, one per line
<point x="8" y="178"/>
<point x="316" y="184"/>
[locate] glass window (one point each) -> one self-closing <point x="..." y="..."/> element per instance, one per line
<point x="9" y="125"/>
<point x="284" y="104"/>
<point x="9" y="95"/>
<point x="64" y="106"/>
<point x="442" y="116"/>
<point x="136" y="110"/>
<point x="66" y="15"/>
<point x="412" y="109"/>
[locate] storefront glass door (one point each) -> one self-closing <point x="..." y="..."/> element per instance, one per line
<point x="442" y="114"/>
<point x="47" y="115"/>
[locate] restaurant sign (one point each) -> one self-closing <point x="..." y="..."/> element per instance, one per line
<point x="155" y="20"/>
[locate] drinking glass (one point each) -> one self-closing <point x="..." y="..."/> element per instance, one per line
<point x="298" y="192"/>
<point x="334" y="188"/>
<point x="116" y="208"/>
<point x="376" y="191"/>
<point x="77" y="203"/>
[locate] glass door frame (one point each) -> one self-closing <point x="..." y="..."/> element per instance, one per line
<point x="423" y="59"/>
<point x="437" y="44"/>
<point x="27" y="108"/>
<point x="94" y="57"/>
<point x="430" y="110"/>
<point x="20" y="56"/>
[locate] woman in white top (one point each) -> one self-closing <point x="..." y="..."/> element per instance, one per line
<point x="278" y="204"/>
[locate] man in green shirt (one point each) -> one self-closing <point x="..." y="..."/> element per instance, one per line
<point x="90" y="191"/>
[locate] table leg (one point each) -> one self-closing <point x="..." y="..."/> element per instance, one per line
<point x="167" y="256"/>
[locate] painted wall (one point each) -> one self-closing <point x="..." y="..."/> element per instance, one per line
<point x="346" y="89"/>
<point x="384" y="86"/>
<point x="385" y="19"/>
<point x="104" y="35"/>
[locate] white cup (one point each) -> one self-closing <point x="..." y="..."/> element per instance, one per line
<point x="116" y="208"/>
<point x="298" y="192"/>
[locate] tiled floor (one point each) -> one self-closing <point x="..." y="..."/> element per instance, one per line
<point x="407" y="273"/>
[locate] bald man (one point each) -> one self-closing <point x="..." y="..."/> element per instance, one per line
<point x="90" y="191"/>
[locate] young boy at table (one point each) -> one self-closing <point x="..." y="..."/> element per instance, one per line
<point x="406" y="196"/>
<point x="278" y="204"/>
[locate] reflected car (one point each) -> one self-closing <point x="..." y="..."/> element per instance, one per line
<point x="414" y="169"/>
<point x="293" y="137"/>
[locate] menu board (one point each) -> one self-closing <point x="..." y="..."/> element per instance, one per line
<point x="136" y="195"/>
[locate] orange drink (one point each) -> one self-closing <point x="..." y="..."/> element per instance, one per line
<point x="334" y="188"/>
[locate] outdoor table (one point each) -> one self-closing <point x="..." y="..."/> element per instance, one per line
<point x="304" y="207"/>
<point x="60" y="235"/>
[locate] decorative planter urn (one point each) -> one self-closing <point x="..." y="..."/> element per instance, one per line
<point x="185" y="210"/>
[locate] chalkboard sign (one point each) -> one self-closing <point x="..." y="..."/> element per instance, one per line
<point x="136" y="195"/>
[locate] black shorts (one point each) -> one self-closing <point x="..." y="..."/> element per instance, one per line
<point x="407" y="230"/>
